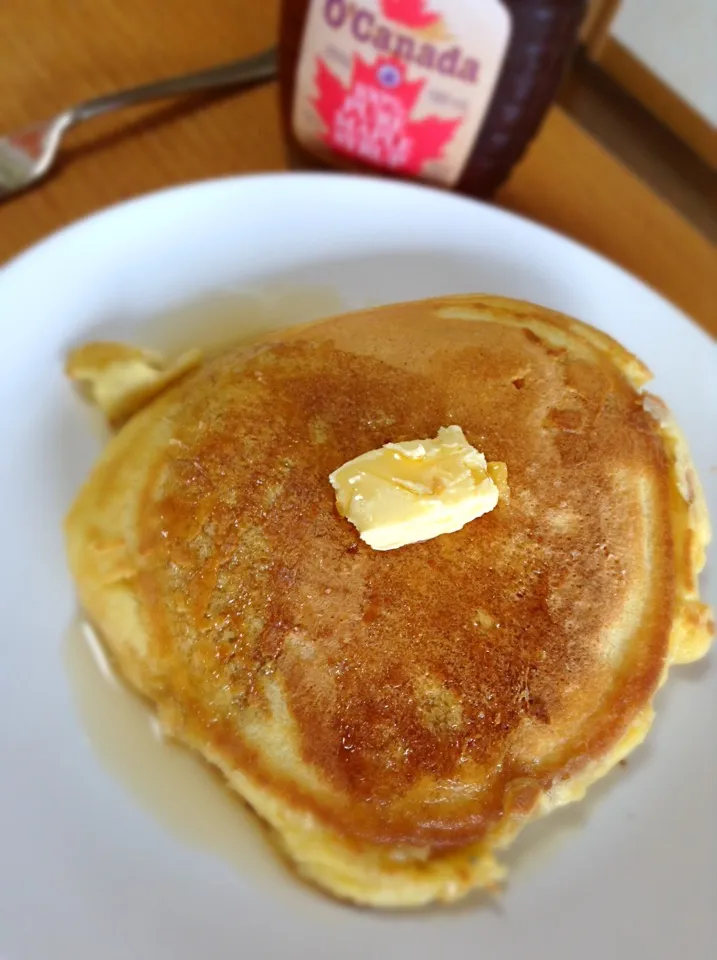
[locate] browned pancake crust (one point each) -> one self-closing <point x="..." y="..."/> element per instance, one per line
<point x="435" y="688"/>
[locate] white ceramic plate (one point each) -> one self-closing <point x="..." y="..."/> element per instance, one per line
<point x="87" y="870"/>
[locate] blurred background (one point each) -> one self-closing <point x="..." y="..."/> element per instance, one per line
<point x="645" y="83"/>
<point x="626" y="158"/>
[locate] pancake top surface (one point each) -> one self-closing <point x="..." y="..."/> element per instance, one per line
<point x="410" y="695"/>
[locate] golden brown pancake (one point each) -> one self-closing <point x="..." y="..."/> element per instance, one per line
<point x="398" y="716"/>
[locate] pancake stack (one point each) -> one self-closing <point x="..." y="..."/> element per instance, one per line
<point x="397" y="717"/>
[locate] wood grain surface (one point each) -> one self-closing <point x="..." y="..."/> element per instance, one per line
<point x="55" y="54"/>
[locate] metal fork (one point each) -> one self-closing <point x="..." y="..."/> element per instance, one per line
<point x="28" y="155"/>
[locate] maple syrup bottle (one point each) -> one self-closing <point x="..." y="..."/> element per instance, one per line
<point x="446" y="91"/>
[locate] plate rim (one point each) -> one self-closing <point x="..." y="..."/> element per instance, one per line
<point x="208" y="185"/>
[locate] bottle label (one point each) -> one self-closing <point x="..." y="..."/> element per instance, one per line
<point x="403" y="85"/>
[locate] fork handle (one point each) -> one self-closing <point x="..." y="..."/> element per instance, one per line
<point x="261" y="66"/>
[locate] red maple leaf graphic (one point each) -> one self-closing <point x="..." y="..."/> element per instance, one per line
<point x="370" y="119"/>
<point x="410" y="13"/>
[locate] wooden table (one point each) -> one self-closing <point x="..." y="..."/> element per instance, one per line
<point x="54" y="54"/>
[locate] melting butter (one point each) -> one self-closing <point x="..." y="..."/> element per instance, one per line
<point x="412" y="491"/>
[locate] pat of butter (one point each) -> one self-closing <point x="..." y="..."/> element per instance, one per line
<point x="407" y="492"/>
